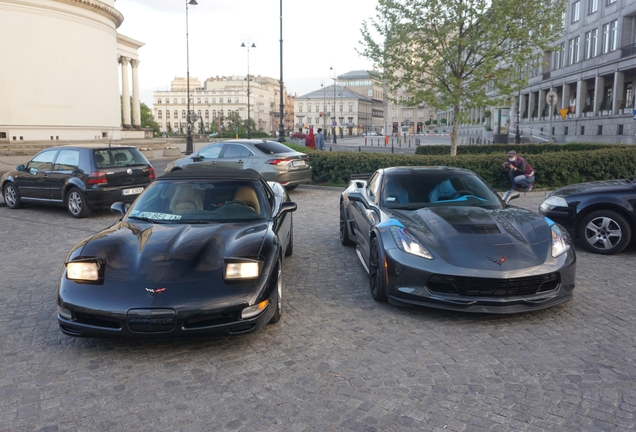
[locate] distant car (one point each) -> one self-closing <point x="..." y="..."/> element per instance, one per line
<point x="600" y="214"/>
<point x="273" y="160"/>
<point x="214" y="134"/>
<point x="298" y="135"/>
<point x="81" y="177"/>
<point x="370" y="133"/>
<point x="200" y="252"/>
<point x="442" y="237"/>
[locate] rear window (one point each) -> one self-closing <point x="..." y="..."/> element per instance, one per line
<point x="273" y="147"/>
<point x="114" y="157"/>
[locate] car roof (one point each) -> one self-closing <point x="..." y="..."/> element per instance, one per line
<point x="423" y="169"/>
<point x="211" y="174"/>
<point x="93" y="146"/>
<point x="246" y="141"/>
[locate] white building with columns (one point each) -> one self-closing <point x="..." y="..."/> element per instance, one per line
<point x="60" y="75"/>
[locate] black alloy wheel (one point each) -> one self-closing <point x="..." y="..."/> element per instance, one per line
<point x="604" y="232"/>
<point x="279" y="295"/>
<point x="76" y="204"/>
<point x="376" y="273"/>
<point x="291" y="187"/>
<point x="344" y="229"/>
<point x="11" y="196"/>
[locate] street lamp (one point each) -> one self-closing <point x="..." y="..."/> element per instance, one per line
<point x="189" y="140"/>
<point x="281" y="127"/>
<point x="249" y="121"/>
<point x="333" y="116"/>
<point x="324" y="108"/>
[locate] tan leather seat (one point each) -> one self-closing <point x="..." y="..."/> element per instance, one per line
<point x="185" y="198"/>
<point x="248" y="195"/>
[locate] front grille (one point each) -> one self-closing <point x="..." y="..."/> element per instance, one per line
<point x="97" y="321"/>
<point x="485" y="287"/>
<point x="211" y="320"/>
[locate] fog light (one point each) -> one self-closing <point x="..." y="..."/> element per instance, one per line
<point x="252" y="311"/>
<point x="64" y="313"/>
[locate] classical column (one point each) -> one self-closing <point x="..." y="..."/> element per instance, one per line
<point x="565" y="96"/>
<point x="523" y="106"/>
<point x="541" y="103"/>
<point x="125" y="92"/>
<point x="618" y="92"/>
<point x="581" y="92"/>
<point x="136" y="104"/>
<point x="531" y="100"/>
<point x="599" y="94"/>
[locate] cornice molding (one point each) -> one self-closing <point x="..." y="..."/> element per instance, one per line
<point x="129" y="41"/>
<point x="98" y="7"/>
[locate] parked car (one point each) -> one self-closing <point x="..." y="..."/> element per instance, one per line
<point x="273" y="160"/>
<point x="442" y="237"/>
<point x="600" y="214"/>
<point x="81" y="177"/>
<point x="370" y="133"/>
<point x="298" y="135"/>
<point x="200" y="252"/>
<point x="213" y="134"/>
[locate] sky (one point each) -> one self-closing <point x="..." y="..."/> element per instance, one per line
<point x="317" y="35"/>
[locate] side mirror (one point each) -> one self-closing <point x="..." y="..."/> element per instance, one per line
<point x="197" y="158"/>
<point x="288" y="206"/>
<point x="119" y="207"/>
<point x="357" y="197"/>
<point x="510" y="195"/>
<point x="20" y="168"/>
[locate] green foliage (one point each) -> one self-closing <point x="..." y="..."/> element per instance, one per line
<point x="443" y="120"/>
<point x="147" y="119"/>
<point x="522" y="149"/>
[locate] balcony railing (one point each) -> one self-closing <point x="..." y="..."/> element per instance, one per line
<point x="628" y="50"/>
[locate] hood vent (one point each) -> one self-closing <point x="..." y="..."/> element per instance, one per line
<point x="477" y="229"/>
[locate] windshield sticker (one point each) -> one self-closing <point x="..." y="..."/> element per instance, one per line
<point x="390" y="198"/>
<point x="158" y="216"/>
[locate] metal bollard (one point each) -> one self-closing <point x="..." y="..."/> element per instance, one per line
<point x="365" y="140"/>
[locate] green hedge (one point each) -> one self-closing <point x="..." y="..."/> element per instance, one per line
<point x="553" y="169"/>
<point x="522" y="149"/>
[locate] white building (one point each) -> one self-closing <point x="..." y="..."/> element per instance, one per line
<point x="60" y="74"/>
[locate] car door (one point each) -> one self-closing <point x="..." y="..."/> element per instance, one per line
<point x="233" y="156"/>
<point x="33" y="182"/>
<point x="65" y="166"/>
<point x="207" y="156"/>
<point x="365" y="217"/>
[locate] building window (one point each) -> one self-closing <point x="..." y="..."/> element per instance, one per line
<point x="619" y="130"/>
<point x="308" y="108"/>
<point x="174" y="100"/>
<point x="613" y="35"/>
<point x="198" y="100"/>
<point x="220" y="100"/>
<point x="408" y="113"/>
<point x="582" y="130"/>
<point x="300" y="108"/>
<point x="609" y="2"/>
<point x="183" y="114"/>
<point x="350" y="107"/>
<point x="207" y="114"/>
<point x="577" y="43"/>
<point x="159" y="114"/>
<point x="593" y="6"/>
<point x="236" y="100"/>
<point x="576" y="11"/>
<point x="588" y="45"/>
<point x="594" y="42"/>
<point x="629" y="97"/>
<point x="159" y="100"/>
<point x="565" y="131"/>
<point x="176" y="114"/>
<point x="606" y="38"/>
<point x="206" y="100"/>
<point x="599" y="130"/>
<point x="571" y="52"/>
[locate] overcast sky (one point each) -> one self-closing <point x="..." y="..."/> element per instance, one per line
<point x="316" y="35"/>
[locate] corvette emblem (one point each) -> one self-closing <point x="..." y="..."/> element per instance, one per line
<point x="155" y="290"/>
<point x="498" y="261"/>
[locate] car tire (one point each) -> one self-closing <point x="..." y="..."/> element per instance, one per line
<point x="291" y="187"/>
<point x="377" y="283"/>
<point x="290" y="246"/>
<point x="344" y="228"/>
<point x="279" y="295"/>
<point x="76" y="204"/>
<point x="11" y="196"/>
<point x="604" y="232"/>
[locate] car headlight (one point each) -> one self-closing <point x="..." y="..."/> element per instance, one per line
<point x="409" y="244"/>
<point x="553" y="201"/>
<point x="241" y="270"/>
<point x="560" y="241"/>
<point x="83" y="270"/>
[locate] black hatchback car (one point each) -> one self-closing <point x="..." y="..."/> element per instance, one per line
<point x="81" y="177"/>
<point x="600" y="214"/>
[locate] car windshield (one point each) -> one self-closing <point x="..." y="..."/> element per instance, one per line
<point x="209" y="201"/>
<point x="414" y="190"/>
<point x="118" y="157"/>
<point x="272" y="147"/>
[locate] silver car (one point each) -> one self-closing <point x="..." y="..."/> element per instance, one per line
<point x="273" y="160"/>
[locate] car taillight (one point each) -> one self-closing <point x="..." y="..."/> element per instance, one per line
<point x="151" y="173"/>
<point x="283" y="161"/>
<point x="97" y="177"/>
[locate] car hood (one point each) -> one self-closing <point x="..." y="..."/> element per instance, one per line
<point x="602" y="186"/>
<point x="168" y="253"/>
<point x="465" y="236"/>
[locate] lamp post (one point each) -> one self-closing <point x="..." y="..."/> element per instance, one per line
<point x="333" y="116"/>
<point x="189" y="140"/>
<point x="517" y="132"/>
<point x="324" y="107"/>
<point x="249" y="121"/>
<point x="281" y="127"/>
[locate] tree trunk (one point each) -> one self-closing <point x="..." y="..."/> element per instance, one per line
<point x="453" y="147"/>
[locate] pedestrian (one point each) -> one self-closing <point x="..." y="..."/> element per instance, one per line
<point x="519" y="170"/>
<point x="310" y="140"/>
<point x="320" y="140"/>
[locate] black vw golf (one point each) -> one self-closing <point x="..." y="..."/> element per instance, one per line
<point x="200" y="252"/>
<point x="442" y="237"/>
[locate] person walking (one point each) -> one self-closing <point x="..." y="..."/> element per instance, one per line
<point x="310" y="140"/>
<point x="320" y="140"/>
<point x="519" y="170"/>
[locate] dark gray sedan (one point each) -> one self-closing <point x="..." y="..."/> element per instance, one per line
<point x="273" y="160"/>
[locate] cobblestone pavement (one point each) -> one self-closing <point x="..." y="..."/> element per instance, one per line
<point x="337" y="361"/>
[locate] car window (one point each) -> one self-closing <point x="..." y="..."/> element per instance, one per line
<point x="272" y="147"/>
<point x="67" y="160"/>
<point x="43" y="161"/>
<point x="209" y="201"/>
<point x="114" y="157"/>
<point x="235" y="151"/>
<point x="211" y="152"/>
<point x="372" y="187"/>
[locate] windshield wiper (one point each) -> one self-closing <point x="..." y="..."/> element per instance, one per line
<point x="145" y="219"/>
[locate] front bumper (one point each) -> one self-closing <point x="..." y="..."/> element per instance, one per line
<point x="481" y="291"/>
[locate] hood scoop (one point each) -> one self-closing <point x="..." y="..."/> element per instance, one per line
<point x="477" y="229"/>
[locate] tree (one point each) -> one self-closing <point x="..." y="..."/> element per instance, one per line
<point x="147" y="119"/>
<point x="446" y="53"/>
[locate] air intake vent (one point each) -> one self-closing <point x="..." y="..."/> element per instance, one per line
<point x="477" y="229"/>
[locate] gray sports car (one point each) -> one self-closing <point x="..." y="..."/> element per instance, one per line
<point x="442" y="237"/>
<point x="273" y="160"/>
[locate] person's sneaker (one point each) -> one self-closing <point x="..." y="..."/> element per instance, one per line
<point x="530" y="187"/>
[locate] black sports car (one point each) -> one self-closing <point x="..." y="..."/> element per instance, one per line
<point x="601" y="213"/>
<point x="442" y="237"/>
<point x="199" y="252"/>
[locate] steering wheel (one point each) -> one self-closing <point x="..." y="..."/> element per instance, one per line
<point x="238" y="202"/>
<point x="461" y="193"/>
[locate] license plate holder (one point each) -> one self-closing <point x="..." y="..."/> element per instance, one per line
<point x="132" y="191"/>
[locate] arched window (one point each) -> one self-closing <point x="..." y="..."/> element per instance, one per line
<point x="159" y="114"/>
